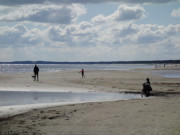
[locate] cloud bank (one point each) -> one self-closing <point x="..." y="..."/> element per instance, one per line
<point x="54" y="32"/>
<point x="64" y="14"/>
<point x="93" y="42"/>
<point x="23" y="2"/>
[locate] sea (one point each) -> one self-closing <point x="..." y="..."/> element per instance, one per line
<point x="23" y="68"/>
<point x="28" y="68"/>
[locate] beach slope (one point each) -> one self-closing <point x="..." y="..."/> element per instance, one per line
<point x="157" y="115"/>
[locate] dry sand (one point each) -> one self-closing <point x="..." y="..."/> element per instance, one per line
<point x="159" y="115"/>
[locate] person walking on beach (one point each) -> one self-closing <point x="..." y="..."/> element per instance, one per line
<point x="82" y="72"/>
<point x="36" y="71"/>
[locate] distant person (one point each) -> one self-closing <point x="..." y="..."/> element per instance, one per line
<point x="82" y="72"/>
<point x="146" y="88"/>
<point x="36" y="71"/>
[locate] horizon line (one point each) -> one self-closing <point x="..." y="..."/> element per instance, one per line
<point x="91" y="62"/>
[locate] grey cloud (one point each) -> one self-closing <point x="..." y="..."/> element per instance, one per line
<point x="72" y="34"/>
<point x="150" y="38"/>
<point x="125" y="31"/>
<point x="57" y="34"/>
<point x="44" y="13"/>
<point x="62" y="16"/>
<point x="172" y="30"/>
<point x="11" y="35"/>
<point x="21" y="2"/>
<point x="17" y="36"/>
<point x="155" y="33"/>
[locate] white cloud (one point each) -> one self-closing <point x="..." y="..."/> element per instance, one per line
<point x="176" y="13"/>
<point x="156" y="33"/>
<point x="123" y="13"/>
<point x="19" y="36"/>
<point x="99" y="19"/>
<point x="50" y="30"/>
<point x="111" y="37"/>
<point x="61" y="14"/>
<point x="8" y="35"/>
<point x="72" y="35"/>
<point x="58" y="34"/>
<point x="127" y="13"/>
<point x="85" y="34"/>
<point x="126" y="30"/>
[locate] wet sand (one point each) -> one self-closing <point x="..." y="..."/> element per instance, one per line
<point x="157" y="115"/>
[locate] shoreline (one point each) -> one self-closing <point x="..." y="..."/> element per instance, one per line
<point x="113" y="117"/>
<point x="16" y="110"/>
<point x="43" y="99"/>
<point x="130" y="116"/>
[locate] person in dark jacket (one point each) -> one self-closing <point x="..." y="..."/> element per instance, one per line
<point x="146" y="88"/>
<point x="36" y="71"/>
<point x="148" y="81"/>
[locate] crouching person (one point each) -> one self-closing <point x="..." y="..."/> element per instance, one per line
<point x="146" y="88"/>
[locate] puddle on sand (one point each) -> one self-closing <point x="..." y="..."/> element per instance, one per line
<point x="17" y="102"/>
<point x="8" y="98"/>
<point x="167" y="73"/>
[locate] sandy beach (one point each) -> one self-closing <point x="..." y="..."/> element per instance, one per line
<point x="157" y="115"/>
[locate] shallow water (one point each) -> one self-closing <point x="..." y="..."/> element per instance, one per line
<point x="18" y="102"/>
<point x="167" y="73"/>
<point x="9" y="98"/>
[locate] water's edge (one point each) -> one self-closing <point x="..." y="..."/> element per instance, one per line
<point x="18" y="102"/>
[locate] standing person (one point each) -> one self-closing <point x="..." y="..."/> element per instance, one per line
<point x="36" y="71"/>
<point x="82" y="72"/>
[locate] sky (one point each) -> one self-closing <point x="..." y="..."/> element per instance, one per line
<point x="89" y="30"/>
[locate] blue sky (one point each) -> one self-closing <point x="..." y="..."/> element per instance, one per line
<point x="94" y="30"/>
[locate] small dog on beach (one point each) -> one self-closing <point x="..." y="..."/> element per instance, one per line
<point x="33" y="76"/>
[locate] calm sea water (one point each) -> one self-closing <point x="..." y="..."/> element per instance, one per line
<point x="23" y="68"/>
<point x="16" y="68"/>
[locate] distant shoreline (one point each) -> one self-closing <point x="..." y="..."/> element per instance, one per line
<point x="100" y="62"/>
